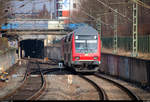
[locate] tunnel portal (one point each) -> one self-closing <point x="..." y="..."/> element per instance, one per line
<point x="33" y="48"/>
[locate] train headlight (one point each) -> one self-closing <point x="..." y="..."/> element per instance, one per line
<point x="95" y="58"/>
<point x="77" y="58"/>
<point x="76" y="37"/>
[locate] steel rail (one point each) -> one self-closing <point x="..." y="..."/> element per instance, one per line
<point x="129" y="92"/>
<point x="101" y="92"/>
<point x="36" y="94"/>
<point x="43" y="86"/>
<point x="23" y="82"/>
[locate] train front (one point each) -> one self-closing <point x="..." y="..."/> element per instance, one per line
<point x="86" y="50"/>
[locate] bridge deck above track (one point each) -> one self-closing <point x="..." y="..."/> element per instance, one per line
<point x="36" y="33"/>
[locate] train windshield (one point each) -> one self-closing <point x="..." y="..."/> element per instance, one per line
<point x="86" y="46"/>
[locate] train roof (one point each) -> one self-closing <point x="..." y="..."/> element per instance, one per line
<point x="85" y="30"/>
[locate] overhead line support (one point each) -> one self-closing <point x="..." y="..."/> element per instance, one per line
<point x="135" y="30"/>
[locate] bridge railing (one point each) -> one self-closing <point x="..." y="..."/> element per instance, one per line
<point x="125" y="43"/>
<point x="33" y="24"/>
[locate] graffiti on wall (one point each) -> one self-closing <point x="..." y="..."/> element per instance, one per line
<point x="13" y="44"/>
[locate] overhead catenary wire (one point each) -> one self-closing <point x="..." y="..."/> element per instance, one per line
<point x="95" y="18"/>
<point x="141" y="3"/>
<point x="82" y="11"/>
<point x="104" y="4"/>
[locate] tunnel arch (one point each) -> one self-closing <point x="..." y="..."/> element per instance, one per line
<point x="33" y="48"/>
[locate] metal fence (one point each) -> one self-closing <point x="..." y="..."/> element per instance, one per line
<point x="125" y="43"/>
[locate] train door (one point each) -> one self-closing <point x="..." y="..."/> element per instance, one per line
<point x="65" y="51"/>
<point x="69" y="50"/>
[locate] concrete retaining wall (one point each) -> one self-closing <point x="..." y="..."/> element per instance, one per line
<point x="129" y="68"/>
<point x="53" y="52"/>
<point x="8" y="59"/>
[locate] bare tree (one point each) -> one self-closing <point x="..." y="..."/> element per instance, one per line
<point x="90" y="10"/>
<point x="5" y="6"/>
<point x="44" y="13"/>
<point x="5" y="9"/>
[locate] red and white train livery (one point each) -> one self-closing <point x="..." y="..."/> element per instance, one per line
<point x="81" y="49"/>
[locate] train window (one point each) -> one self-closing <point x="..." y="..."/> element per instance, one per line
<point x="76" y="37"/>
<point x="59" y="13"/>
<point x="59" y="0"/>
<point x="60" y="6"/>
<point x="86" y="46"/>
<point x="86" y="37"/>
<point x="95" y="37"/>
<point x="65" y="39"/>
<point x="70" y="37"/>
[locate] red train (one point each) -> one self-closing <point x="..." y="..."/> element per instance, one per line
<point x="81" y="49"/>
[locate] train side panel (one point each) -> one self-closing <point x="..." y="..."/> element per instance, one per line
<point x="88" y="59"/>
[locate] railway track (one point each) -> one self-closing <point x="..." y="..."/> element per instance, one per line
<point x="129" y="95"/>
<point x="126" y="90"/>
<point x="101" y="92"/>
<point x="31" y="87"/>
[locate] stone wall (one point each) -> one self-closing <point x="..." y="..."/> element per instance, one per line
<point x="8" y="59"/>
